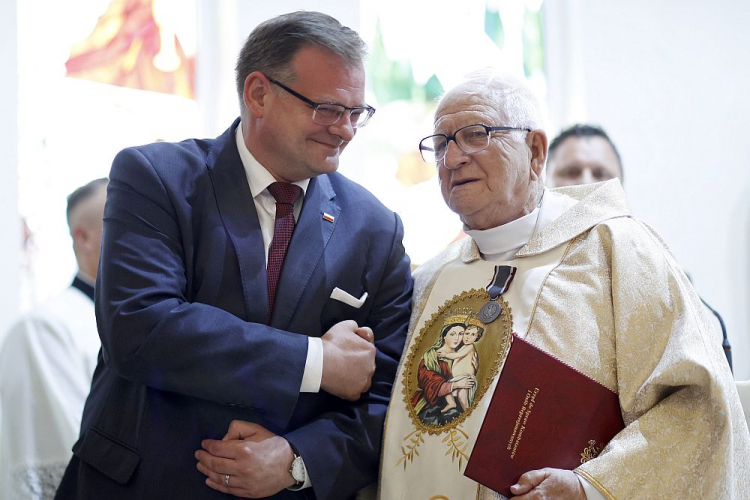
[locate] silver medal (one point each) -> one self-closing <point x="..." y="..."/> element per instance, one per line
<point x="490" y="311"/>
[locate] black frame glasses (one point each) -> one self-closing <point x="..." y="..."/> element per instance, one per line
<point x="470" y="139"/>
<point x="329" y="113"/>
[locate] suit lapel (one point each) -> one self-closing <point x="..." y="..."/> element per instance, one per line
<point x="237" y="210"/>
<point x="311" y="235"/>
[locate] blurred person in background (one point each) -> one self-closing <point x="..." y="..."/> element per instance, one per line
<point x="584" y="154"/>
<point x="46" y="364"/>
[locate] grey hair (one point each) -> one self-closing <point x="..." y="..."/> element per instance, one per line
<point x="509" y="97"/>
<point x="273" y="44"/>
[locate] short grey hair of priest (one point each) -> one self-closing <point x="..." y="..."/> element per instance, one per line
<point x="273" y="44"/>
<point x="510" y="97"/>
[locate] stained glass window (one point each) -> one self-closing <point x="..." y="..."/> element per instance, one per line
<point x="417" y="50"/>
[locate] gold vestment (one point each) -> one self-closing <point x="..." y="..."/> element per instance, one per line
<point x="617" y="307"/>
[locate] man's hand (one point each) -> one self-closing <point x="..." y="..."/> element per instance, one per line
<point x="348" y="360"/>
<point x="548" y="483"/>
<point x="256" y="460"/>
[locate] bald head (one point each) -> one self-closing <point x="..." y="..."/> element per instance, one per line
<point x="85" y="212"/>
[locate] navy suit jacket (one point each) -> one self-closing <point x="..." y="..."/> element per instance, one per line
<point x="182" y="309"/>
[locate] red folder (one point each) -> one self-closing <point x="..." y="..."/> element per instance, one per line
<point x="543" y="413"/>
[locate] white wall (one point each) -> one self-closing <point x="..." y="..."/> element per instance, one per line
<point x="10" y="249"/>
<point x="668" y="81"/>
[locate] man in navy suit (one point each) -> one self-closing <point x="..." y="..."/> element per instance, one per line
<point x="208" y="382"/>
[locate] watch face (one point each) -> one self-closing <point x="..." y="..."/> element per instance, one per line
<point x="298" y="470"/>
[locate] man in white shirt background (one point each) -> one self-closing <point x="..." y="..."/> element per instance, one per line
<point x="46" y="363"/>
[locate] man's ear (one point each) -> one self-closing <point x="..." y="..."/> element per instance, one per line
<point x="81" y="238"/>
<point x="255" y="93"/>
<point x="537" y="141"/>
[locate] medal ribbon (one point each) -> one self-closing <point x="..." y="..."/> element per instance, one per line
<point x="501" y="281"/>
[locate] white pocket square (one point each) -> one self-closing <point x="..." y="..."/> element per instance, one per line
<point x="342" y="296"/>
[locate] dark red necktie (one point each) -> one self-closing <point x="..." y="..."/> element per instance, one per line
<point x="285" y="194"/>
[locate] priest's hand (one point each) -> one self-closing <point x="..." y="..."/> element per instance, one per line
<point x="250" y="462"/>
<point x="548" y="483"/>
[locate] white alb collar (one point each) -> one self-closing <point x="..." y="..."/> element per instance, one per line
<point x="503" y="242"/>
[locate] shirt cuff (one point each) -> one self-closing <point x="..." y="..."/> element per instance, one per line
<point x="589" y="489"/>
<point x="313" y="366"/>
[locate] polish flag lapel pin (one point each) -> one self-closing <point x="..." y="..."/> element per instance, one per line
<point x="328" y="217"/>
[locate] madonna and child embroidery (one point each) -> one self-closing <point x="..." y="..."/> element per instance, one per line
<point x="449" y="368"/>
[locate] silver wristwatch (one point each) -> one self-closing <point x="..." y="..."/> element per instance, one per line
<point x="297" y="470"/>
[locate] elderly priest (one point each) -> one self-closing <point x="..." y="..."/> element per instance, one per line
<point x="573" y="273"/>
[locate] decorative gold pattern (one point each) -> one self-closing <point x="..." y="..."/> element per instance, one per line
<point x="457" y="441"/>
<point x="498" y="335"/>
<point x="415" y="438"/>
<point x="591" y="451"/>
<point x="460" y="315"/>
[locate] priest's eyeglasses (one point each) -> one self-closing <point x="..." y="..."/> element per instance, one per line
<point x="471" y="139"/>
<point x="328" y="113"/>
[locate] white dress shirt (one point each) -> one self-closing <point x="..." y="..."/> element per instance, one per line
<point x="265" y="205"/>
<point x="258" y="178"/>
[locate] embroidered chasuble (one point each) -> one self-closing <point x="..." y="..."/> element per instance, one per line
<point x="600" y="291"/>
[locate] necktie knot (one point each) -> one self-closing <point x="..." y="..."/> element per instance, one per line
<point x="284" y="192"/>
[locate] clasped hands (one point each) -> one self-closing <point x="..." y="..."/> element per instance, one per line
<point x="253" y="462"/>
<point x="249" y="462"/>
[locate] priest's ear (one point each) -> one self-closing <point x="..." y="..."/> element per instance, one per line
<point x="255" y="93"/>
<point x="537" y="142"/>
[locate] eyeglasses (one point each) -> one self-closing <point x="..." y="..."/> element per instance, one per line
<point x="327" y="113"/>
<point x="471" y="139"/>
